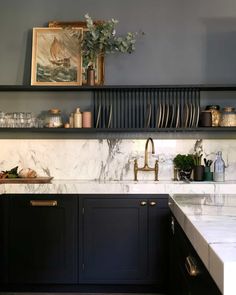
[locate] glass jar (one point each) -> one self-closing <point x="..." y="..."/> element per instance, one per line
<point x="228" y="117"/>
<point x="53" y="119"/>
<point x="215" y="114"/>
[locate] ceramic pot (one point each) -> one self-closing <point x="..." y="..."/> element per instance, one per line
<point x="198" y="173"/>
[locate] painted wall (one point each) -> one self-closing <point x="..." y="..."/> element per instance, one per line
<point x="186" y="41"/>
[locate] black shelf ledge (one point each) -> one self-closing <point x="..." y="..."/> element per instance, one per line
<point x="201" y="87"/>
<point x="119" y="133"/>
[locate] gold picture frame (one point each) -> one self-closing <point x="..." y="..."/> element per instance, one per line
<point x="99" y="66"/>
<point x="56" y="57"/>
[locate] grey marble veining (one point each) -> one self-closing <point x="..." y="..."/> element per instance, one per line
<point x="105" y="159"/>
<point x="209" y="221"/>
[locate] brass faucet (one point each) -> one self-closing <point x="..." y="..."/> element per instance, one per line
<point x="146" y="167"/>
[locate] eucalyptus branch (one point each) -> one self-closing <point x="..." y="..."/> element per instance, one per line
<point x="101" y="39"/>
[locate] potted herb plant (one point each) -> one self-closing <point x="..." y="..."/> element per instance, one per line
<point x="184" y="165"/>
<point x="100" y="39"/>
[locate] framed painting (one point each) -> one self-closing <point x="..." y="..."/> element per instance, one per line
<point x="99" y="65"/>
<point x="56" y="57"/>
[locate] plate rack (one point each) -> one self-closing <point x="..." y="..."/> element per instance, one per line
<point x="147" y="108"/>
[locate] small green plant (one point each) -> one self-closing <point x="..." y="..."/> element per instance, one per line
<point x="101" y="39"/>
<point x="184" y="162"/>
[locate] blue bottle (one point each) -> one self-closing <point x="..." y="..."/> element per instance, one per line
<point x="219" y="168"/>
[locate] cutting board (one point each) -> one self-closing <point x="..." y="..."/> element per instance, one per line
<point x="26" y="180"/>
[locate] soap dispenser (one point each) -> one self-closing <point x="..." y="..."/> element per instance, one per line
<point x="219" y="168"/>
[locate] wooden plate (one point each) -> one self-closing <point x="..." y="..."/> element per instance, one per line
<point x="26" y="180"/>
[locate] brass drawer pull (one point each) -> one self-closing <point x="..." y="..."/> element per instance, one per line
<point x="152" y="203"/>
<point x="143" y="203"/>
<point x="191" y="266"/>
<point x="43" y="203"/>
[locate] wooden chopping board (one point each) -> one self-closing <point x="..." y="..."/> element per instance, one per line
<point x="26" y="180"/>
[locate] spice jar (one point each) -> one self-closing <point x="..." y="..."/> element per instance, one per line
<point x="53" y="119"/>
<point x="228" y="117"/>
<point x="215" y="113"/>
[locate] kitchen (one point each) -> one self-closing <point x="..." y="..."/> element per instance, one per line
<point x="184" y="43"/>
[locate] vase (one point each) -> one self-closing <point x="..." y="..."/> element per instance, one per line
<point x="90" y="76"/>
<point x="184" y="174"/>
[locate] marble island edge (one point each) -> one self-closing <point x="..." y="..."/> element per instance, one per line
<point x="209" y="221"/>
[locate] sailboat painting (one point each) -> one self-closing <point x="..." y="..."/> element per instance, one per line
<point x="56" y="57"/>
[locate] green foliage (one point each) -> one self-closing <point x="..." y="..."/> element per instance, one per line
<point x="101" y="39"/>
<point x="184" y="162"/>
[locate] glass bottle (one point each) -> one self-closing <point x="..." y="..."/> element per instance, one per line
<point x="219" y="168"/>
<point x="77" y="118"/>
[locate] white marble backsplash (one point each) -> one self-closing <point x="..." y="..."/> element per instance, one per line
<point x="105" y="159"/>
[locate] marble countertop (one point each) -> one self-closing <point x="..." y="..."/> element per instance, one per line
<point x="120" y="187"/>
<point x="209" y="221"/>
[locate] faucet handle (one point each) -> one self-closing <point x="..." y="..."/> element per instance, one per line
<point x="135" y="170"/>
<point x="156" y="170"/>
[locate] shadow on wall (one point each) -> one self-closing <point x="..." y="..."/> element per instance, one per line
<point x="220" y="46"/>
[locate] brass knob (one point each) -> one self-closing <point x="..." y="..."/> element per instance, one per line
<point x="143" y="203"/>
<point x="152" y="203"/>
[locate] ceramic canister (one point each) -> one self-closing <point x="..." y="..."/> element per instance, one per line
<point x="87" y="119"/>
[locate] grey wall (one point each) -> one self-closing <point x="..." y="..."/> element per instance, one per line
<point x="186" y="41"/>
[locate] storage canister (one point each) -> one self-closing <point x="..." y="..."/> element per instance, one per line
<point x="228" y="117"/>
<point x="215" y="113"/>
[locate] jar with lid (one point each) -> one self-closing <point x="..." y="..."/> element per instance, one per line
<point x="228" y="117"/>
<point x="215" y="114"/>
<point x="53" y="119"/>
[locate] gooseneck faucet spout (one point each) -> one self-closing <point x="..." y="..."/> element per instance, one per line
<point x="146" y="151"/>
<point x="146" y="166"/>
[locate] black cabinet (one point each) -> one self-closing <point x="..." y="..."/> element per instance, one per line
<point x="124" y="239"/>
<point x="42" y="241"/>
<point x="188" y="275"/>
<point x="3" y="239"/>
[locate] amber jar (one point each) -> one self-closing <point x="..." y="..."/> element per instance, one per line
<point x="215" y="114"/>
<point x="228" y="117"/>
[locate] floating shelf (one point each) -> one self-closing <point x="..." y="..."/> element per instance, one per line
<point x="200" y="87"/>
<point x="127" y="106"/>
<point x="118" y="133"/>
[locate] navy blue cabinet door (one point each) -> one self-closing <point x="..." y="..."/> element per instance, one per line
<point x="42" y="239"/>
<point x="3" y="239"/>
<point x="122" y="240"/>
<point x="182" y="282"/>
<point x="158" y="241"/>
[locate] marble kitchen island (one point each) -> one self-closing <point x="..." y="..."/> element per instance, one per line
<point x="209" y="221"/>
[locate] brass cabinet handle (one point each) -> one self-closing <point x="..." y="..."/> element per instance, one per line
<point x="152" y="203"/>
<point x="143" y="203"/>
<point x="172" y="225"/>
<point x="43" y="203"/>
<point x="191" y="266"/>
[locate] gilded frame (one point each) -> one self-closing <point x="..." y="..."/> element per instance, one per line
<point x="56" y="58"/>
<point x="99" y="66"/>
